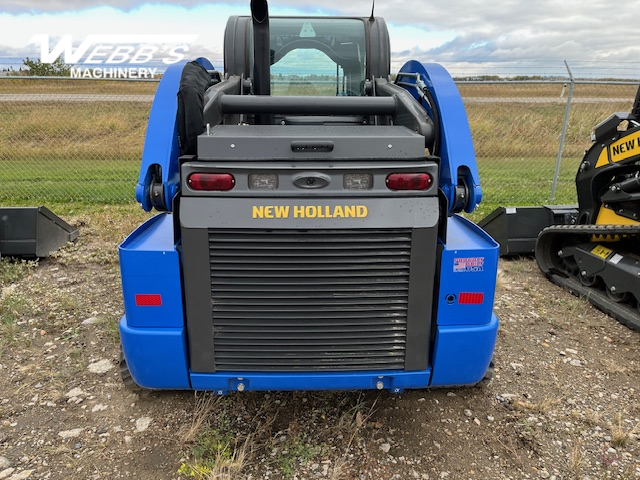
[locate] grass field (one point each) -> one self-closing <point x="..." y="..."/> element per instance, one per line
<point x="52" y="151"/>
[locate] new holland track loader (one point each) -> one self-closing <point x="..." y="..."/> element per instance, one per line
<point x="309" y="236"/>
<point x="599" y="256"/>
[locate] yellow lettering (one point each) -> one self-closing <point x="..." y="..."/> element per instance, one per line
<point x="311" y="211"/>
<point x="258" y="211"/>
<point x="282" y="211"/>
<point x="268" y="211"/>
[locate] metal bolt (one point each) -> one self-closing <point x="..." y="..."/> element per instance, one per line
<point x="379" y="385"/>
<point x="560" y="252"/>
<point x="241" y="387"/>
<point x="233" y="145"/>
<point x="613" y="288"/>
<point x="584" y="272"/>
<point x="389" y="146"/>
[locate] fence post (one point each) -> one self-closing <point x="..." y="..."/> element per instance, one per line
<point x="563" y="135"/>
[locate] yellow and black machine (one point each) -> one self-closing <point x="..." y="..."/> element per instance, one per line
<point x="598" y="256"/>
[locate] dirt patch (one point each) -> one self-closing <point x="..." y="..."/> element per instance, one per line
<point x="563" y="403"/>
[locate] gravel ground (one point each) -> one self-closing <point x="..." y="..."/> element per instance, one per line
<point x="564" y="402"/>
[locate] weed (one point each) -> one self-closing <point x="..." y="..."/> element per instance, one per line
<point x="215" y="456"/>
<point x="215" y="452"/>
<point x="110" y="328"/>
<point x="12" y="307"/>
<point x="204" y="406"/>
<point x="620" y="434"/>
<point x="13" y="270"/>
<point x="576" y="459"/>
<point x="296" y="452"/>
<point x="593" y="417"/>
<point x="542" y="406"/>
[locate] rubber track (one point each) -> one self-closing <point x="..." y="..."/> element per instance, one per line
<point x="623" y="312"/>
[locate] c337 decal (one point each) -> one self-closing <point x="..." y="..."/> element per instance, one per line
<point x="309" y="211"/>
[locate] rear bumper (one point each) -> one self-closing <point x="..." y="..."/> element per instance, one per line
<point x="157" y="359"/>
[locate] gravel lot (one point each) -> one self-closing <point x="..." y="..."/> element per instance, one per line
<point x="564" y="403"/>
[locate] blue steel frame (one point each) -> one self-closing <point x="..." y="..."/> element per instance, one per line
<point x="456" y="146"/>
<point x="161" y="146"/>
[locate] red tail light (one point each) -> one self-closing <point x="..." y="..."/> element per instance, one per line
<point x="211" y="181"/>
<point x="471" y="298"/>
<point x="148" y="300"/>
<point x="409" y="181"/>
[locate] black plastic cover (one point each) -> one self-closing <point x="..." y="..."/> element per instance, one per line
<point x="193" y="84"/>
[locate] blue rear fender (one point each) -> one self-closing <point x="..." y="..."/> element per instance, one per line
<point x="466" y="327"/>
<point x="152" y="331"/>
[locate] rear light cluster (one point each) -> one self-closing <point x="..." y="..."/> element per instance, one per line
<point x="409" y="181"/>
<point x="223" y="182"/>
<point x="220" y="182"/>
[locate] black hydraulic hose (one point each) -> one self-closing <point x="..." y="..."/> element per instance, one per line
<point x="425" y="95"/>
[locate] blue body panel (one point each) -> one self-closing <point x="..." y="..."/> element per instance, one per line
<point x="156" y="357"/>
<point x="150" y="265"/>
<point x="161" y="146"/>
<point x="456" y="146"/>
<point x="461" y="354"/>
<point x="469" y="265"/>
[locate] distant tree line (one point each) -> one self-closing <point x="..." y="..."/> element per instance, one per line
<point x="35" y="68"/>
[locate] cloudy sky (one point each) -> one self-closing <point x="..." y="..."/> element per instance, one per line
<point x="464" y="34"/>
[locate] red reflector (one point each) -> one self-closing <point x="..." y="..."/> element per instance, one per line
<point x="409" y="181"/>
<point x="148" y="300"/>
<point x="470" y="298"/>
<point x="211" y="181"/>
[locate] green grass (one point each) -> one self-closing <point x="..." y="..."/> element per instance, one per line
<point x="525" y="181"/>
<point x="90" y="153"/>
<point x="12" y="270"/>
<point x="33" y="180"/>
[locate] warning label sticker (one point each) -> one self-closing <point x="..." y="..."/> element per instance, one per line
<point x="468" y="264"/>
<point x="602" y="252"/>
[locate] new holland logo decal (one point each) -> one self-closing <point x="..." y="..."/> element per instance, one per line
<point x="309" y="211"/>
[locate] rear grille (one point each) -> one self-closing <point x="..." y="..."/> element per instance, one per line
<point x="286" y="300"/>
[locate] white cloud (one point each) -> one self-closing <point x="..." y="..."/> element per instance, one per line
<point x="446" y="31"/>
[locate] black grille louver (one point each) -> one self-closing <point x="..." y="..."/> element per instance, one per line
<point x="286" y="300"/>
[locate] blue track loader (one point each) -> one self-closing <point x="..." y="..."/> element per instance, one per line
<point x="309" y="235"/>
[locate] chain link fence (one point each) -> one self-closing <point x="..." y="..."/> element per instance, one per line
<point x="517" y="129"/>
<point x="65" y="140"/>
